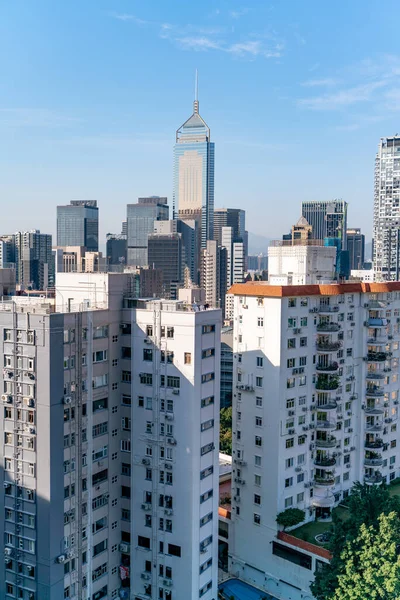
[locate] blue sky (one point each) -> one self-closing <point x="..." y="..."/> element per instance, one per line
<point x="296" y="93"/>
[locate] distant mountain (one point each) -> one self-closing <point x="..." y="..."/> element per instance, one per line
<point x="258" y="244"/>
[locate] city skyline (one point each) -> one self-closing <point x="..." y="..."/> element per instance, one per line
<point x="62" y="142"/>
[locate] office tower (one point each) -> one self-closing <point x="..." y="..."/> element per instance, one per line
<point x="7" y="251"/>
<point x="150" y="282"/>
<point x="175" y="451"/>
<point x="213" y="274"/>
<point x="230" y="217"/>
<point x="328" y="219"/>
<point x="190" y="240"/>
<point x="193" y="195"/>
<point x="140" y="222"/>
<point x="124" y="228"/>
<point x="34" y="259"/>
<point x="116" y="248"/>
<point x="165" y="253"/>
<point x="226" y="366"/>
<point x="356" y="248"/>
<point x="314" y="409"/>
<point x="78" y="224"/>
<point x="234" y="256"/>
<point x="107" y="424"/>
<point x="386" y="230"/>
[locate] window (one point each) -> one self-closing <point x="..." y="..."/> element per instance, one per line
<point x="99" y="356"/>
<point x="292" y="302"/>
<point x="187" y="358"/>
<point x="100" y="332"/>
<point x="126" y="399"/>
<point x="126" y="377"/>
<point x="207" y="448"/>
<point x="146" y="378"/>
<point x="100" y="477"/>
<point x="291" y="363"/>
<point x="147" y="355"/>
<point x="288" y="482"/>
<point x="259" y="381"/>
<point x="206" y="472"/>
<point x="258" y="440"/>
<point x="260" y="361"/>
<point x="207" y="353"/>
<point x="207" y="377"/>
<point x="303" y="361"/>
<point x="303" y="322"/>
<point x="290" y="382"/>
<point x="300" y="477"/>
<point x="289" y="502"/>
<point x="257" y="499"/>
<point x="302" y="380"/>
<point x="143" y="542"/>
<point x="303" y="342"/>
<point x="208" y="329"/>
<point x="174" y="550"/>
<point x="257" y="460"/>
<point x="126" y="329"/>
<point x="206" y="496"/>
<point x="206" y="519"/>
<point x="100" y="381"/>
<point x="260" y="322"/>
<point x="125" y="445"/>
<point x="301" y="439"/>
<point x="291" y="343"/>
<point x="126" y="423"/>
<point x="100" y="429"/>
<point x="207" y="401"/>
<point x="289" y="463"/>
<point x="257" y="519"/>
<point x="100" y="547"/>
<point x="290" y="443"/>
<point x="100" y="404"/>
<point x="207" y="425"/>
<point x="258" y="421"/>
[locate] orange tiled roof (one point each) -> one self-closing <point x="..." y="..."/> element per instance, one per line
<point x="258" y="289"/>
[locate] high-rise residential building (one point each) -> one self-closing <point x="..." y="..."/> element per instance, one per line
<point x="301" y="264"/>
<point x="34" y="259"/>
<point x="234" y="258"/>
<point x="386" y="230"/>
<point x="7" y="251"/>
<point x="140" y="224"/>
<point x="165" y="251"/>
<point x="328" y="219"/>
<point x="213" y="274"/>
<point x="356" y="248"/>
<point x="315" y="409"/>
<point x="124" y="228"/>
<point x="116" y="249"/>
<point x="193" y="194"/>
<point x="78" y="224"/>
<point x="111" y="414"/>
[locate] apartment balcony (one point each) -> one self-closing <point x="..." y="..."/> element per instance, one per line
<point x="326" y="425"/>
<point x="329" y="442"/>
<point x="375" y="322"/>
<point x="375" y="391"/>
<point x="329" y="367"/>
<point x="375" y="375"/>
<point x="325" y="461"/>
<point x="326" y="309"/>
<point x="376" y="305"/>
<point x="375" y="444"/>
<point x="327" y="481"/>
<point x="378" y="356"/>
<point x="323" y="346"/>
<point x="375" y="428"/>
<point x="375" y="479"/>
<point x="328" y="327"/>
<point x="373" y="461"/>
<point x="378" y="341"/>
<point x="374" y="409"/>
<point x="326" y="383"/>
<point x="331" y="404"/>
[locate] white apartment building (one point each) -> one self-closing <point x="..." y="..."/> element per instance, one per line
<point x="101" y="419"/>
<point x="300" y="264"/>
<point x="315" y="409"/>
<point x="386" y="230"/>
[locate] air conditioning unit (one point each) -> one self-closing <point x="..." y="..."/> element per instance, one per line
<point x="147" y="341"/>
<point x="308" y="484"/>
<point x="167" y="582"/>
<point x="6" y="398"/>
<point x="169" y="416"/>
<point x="176" y="391"/>
<point x="365" y="304"/>
<point x="297" y="330"/>
<point x="145" y="461"/>
<point x="145" y="576"/>
<point x="312" y="446"/>
<point x="169" y="512"/>
<point x="7" y="560"/>
<point x="6" y="484"/>
<point x="241" y="462"/>
<point x="348" y="465"/>
<point x="146" y="506"/>
<point x="342" y="361"/>
<point x="298" y="469"/>
<point x="124" y="547"/>
<point x="67" y="400"/>
<point x="171" y="441"/>
<point x="168" y="466"/>
<point x="61" y="559"/>
<point x="7" y="551"/>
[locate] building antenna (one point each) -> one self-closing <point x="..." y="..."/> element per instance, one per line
<point x="196" y="94"/>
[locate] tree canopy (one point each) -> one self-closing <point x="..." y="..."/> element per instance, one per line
<point x="225" y="430"/>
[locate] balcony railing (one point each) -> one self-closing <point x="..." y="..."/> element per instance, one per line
<point x="373" y="462"/>
<point x="328" y="346"/>
<point x="326" y="425"/>
<point x="324" y="481"/>
<point x="328" y="367"/>
<point x="326" y="383"/>
<point x="376" y="322"/>
<point x="378" y="356"/>
<point x="376" y="444"/>
<point x="382" y="340"/>
<point x="330" y="405"/>
<point x="373" y="479"/>
<point x="328" y="327"/>
<point x="326" y="308"/>
<point x="325" y="461"/>
<point x="375" y="391"/>
<point x="375" y="375"/>
<point x="328" y="443"/>
<point x="374" y="428"/>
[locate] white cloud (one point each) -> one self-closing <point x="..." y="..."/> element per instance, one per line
<point x="129" y="17"/>
<point x="35" y="117"/>
<point x="342" y="98"/>
<point x="236" y="14"/>
<point x="326" y="82"/>
<point x="198" y="43"/>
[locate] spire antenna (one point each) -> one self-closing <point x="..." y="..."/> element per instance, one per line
<point x="196" y="94"/>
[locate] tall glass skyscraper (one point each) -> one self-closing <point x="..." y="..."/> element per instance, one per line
<point x="78" y="224"/>
<point x="193" y="195"/>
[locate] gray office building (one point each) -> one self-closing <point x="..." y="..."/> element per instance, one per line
<point x="34" y="260"/>
<point x="327" y="218"/>
<point x="356" y="248"/>
<point x="165" y="252"/>
<point x="230" y="217"/>
<point x="116" y="245"/>
<point x="78" y="224"/>
<point x="140" y="224"/>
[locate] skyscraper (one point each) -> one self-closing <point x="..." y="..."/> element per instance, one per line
<point x="356" y="248"/>
<point x="165" y="253"/>
<point x="78" y="224"/>
<point x="213" y="274"/>
<point x="193" y="195"/>
<point x="34" y="259"/>
<point x="328" y="219"/>
<point x="386" y="232"/>
<point x="230" y="217"/>
<point x="140" y="224"/>
<point x="116" y="249"/>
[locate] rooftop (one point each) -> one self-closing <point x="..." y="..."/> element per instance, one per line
<point x="264" y="289"/>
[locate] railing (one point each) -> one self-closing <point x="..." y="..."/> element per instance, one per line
<point x="326" y="425"/>
<point x="378" y="356"/>
<point x="324" y="480"/>
<point x="328" y="443"/>
<point x="328" y="327"/>
<point x="371" y="479"/>
<point x="373" y="462"/>
<point x="378" y="443"/>
<point x="326" y="308"/>
<point x="329" y="346"/>
<point x="329" y="367"/>
<point x="374" y="391"/>
<point x="325" y="462"/>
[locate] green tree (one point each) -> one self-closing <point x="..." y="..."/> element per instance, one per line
<point x="366" y="505"/>
<point x="225" y="430"/>
<point x="371" y="563"/>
